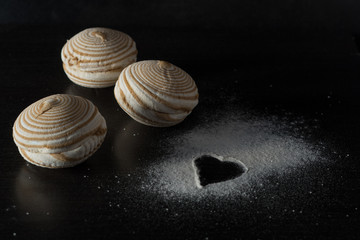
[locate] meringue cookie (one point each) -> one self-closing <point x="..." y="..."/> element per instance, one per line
<point x="156" y="93"/>
<point x="95" y="57"/>
<point x="59" y="131"/>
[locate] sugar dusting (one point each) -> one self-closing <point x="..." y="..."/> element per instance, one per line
<point x="266" y="146"/>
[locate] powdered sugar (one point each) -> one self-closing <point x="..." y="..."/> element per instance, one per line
<point x="265" y="145"/>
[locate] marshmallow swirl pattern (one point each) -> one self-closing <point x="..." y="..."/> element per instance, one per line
<point x="156" y="93"/>
<point x="95" y="57"/>
<point x="59" y="131"/>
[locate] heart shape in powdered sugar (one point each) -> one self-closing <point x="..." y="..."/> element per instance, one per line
<point x="213" y="169"/>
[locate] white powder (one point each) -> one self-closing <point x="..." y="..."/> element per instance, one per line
<point x="265" y="146"/>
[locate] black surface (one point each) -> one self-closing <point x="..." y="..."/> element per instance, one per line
<point x="285" y="63"/>
<point x="210" y="170"/>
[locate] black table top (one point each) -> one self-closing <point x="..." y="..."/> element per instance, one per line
<point x="285" y="105"/>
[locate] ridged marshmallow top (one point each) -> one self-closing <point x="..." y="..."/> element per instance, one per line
<point x="96" y="56"/>
<point x="156" y="93"/>
<point x="58" y="124"/>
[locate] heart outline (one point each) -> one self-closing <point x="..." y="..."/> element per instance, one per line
<point x="221" y="160"/>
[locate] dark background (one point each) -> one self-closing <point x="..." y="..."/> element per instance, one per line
<point x="285" y="56"/>
<point x="248" y="15"/>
